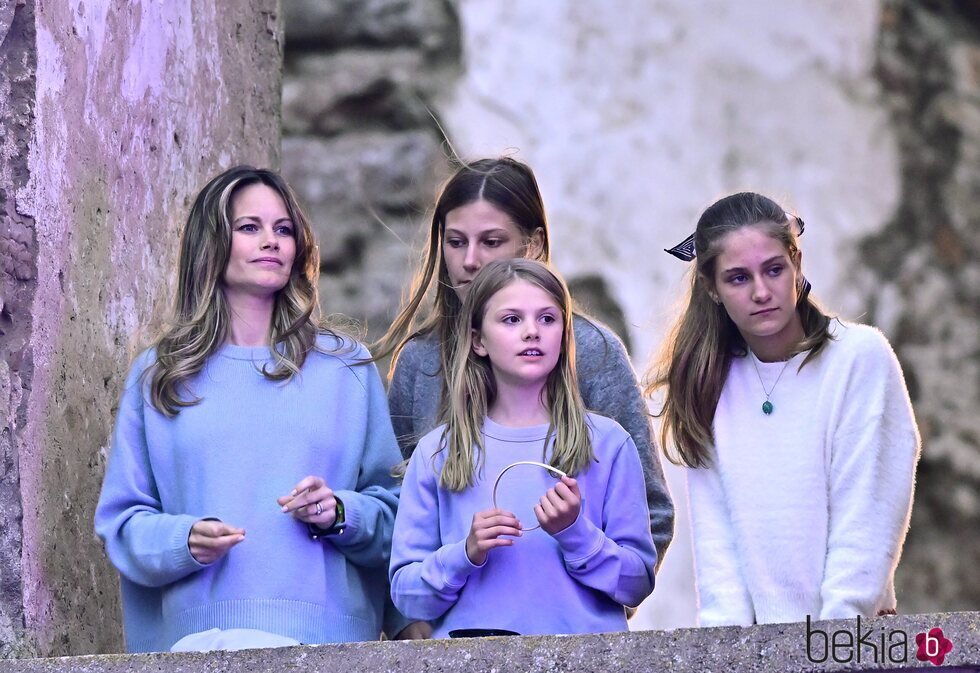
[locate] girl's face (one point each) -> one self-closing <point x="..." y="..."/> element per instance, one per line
<point x="521" y="334"/>
<point x="757" y="282"/>
<point x="263" y="242"/>
<point x="477" y="234"/>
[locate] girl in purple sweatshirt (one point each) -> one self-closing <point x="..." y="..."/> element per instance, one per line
<point x="462" y="563"/>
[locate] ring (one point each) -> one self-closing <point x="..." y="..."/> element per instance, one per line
<point x="319" y="509"/>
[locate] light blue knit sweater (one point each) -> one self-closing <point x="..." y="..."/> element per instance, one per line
<point x="229" y="457"/>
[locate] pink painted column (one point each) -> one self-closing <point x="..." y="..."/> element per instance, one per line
<point x="112" y="116"/>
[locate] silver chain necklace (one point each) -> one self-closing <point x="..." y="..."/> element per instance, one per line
<point x="767" y="405"/>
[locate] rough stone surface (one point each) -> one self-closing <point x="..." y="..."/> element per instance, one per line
<point x="121" y="113"/>
<point x="425" y="24"/>
<point x="921" y="281"/>
<point x="18" y="250"/>
<point x="777" y="648"/>
<point x="362" y="143"/>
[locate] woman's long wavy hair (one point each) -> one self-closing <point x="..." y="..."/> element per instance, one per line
<point x="198" y="323"/>
<point x="472" y="388"/>
<point x="694" y="362"/>
<point x="508" y="185"/>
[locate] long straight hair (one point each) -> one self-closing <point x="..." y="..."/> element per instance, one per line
<point x="694" y="363"/>
<point x="506" y="184"/>
<point x="472" y="389"/>
<point x="198" y="321"/>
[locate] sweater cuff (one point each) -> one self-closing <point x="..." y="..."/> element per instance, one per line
<point x="183" y="561"/>
<point x="581" y="540"/>
<point x="456" y="564"/>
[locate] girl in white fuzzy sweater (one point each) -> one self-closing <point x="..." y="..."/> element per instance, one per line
<point x="798" y="431"/>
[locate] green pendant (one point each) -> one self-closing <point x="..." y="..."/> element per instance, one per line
<point x="767" y="407"/>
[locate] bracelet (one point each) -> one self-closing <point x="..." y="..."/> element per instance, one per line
<point x="338" y="527"/>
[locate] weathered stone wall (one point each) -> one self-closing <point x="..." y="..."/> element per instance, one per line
<point x="18" y="272"/>
<point x="361" y="141"/>
<point x="889" y="645"/>
<point x="113" y="116"/>
<point x="920" y="276"/>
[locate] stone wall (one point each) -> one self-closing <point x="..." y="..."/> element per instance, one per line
<point x="889" y="645"/>
<point x="112" y="116"/>
<point x="361" y="141"/>
<point x="920" y="275"/>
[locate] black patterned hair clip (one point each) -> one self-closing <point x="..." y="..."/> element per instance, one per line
<point x="684" y="250"/>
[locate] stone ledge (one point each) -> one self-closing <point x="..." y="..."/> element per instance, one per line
<point x="766" y="649"/>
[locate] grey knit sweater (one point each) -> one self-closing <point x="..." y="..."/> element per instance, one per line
<point x="608" y="385"/>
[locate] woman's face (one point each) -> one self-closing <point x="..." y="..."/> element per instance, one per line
<point x="477" y="234"/>
<point x="756" y="281"/>
<point x="263" y="243"/>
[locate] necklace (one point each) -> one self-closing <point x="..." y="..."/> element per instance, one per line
<point x="767" y="405"/>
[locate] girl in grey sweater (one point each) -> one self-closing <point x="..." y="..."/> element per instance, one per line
<point x="488" y="210"/>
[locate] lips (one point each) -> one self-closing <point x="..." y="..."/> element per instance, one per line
<point x="267" y="260"/>
<point x="766" y="311"/>
<point x="536" y="352"/>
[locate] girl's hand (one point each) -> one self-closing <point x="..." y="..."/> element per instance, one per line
<point x="303" y="500"/>
<point x="559" y="507"/>
<point x="485" y="532"/>
<point x="210" y="539"/>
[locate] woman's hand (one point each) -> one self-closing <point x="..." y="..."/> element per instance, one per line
<point x="210" y="539"/>
<point x="485" y="532"/>
<point x="559" y="507"/>
<point x="311" y="501"/>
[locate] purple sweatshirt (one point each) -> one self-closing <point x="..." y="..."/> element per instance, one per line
<point x="575" y="582"/>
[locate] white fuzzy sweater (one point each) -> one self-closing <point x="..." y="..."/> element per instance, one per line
<point x="804" y="511"/>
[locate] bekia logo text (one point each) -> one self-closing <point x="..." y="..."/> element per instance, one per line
<point x="870" y="646"/>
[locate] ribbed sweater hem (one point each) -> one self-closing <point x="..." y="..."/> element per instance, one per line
<point x="306" y="622"/>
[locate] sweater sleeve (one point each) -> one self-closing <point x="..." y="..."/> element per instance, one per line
<point x="872" y="473"/>
<point x="426" y="576"/>
<point x="146" y="545"/>
<point x="617" y="559"/>
<point x="370" y="508"/>
<point x="401" y="393"/>
<point x="609" y="387"/>
<point x="723" y="597"/>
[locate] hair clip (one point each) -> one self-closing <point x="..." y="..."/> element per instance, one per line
<point x="684" y="250"/>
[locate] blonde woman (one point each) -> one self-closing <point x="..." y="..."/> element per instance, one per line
<point x="247" y="501"/>
<point x="514" y="396"/>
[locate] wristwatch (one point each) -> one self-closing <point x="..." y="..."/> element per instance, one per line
<point x="338" y="527"/>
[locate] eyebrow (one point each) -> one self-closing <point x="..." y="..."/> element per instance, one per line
<point x="775" y="258"/>
<point x="539" y="311"/>
<point x="259" y="219"/>
<point x="498" y="231"/>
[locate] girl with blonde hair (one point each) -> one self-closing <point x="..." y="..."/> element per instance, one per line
<point x="488" y="210"/>
<point x="513" y="396"/>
